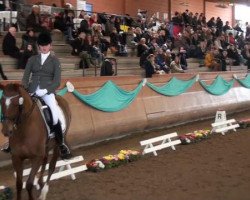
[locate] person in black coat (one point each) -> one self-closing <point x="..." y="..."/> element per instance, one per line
<point x="84" y="25"/>
<point x="9" y="45"/>
<point x="34" y="20"/>
<point x="149" y="66"/>
<point x="78" y="44"/>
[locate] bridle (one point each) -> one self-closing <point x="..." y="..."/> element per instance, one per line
<point x="16" y="118"/>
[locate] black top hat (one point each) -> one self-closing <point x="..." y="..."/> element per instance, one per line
<point x="44" y="39"/>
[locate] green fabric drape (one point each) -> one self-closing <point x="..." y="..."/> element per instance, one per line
<point x="174" y="87"/>
<point x="245" y="82"/>
<point x="110" y="97"/>
<point x="219" y="86"/>
<point x="62" y="92"/>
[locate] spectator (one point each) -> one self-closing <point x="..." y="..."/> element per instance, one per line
<point x="130" y="40"/>
<point x="223" y="59"/>
<point x="78" y="44"/>
<point x="247" y="32"/>
<point x="175" y="66"/>
<point x="69" y="22"/>
<point x="84" y="25"/>
<point x="93" y="19"/>
<point x="160" y="60"/>
<point x="29" y="38"/>
<point x="150" y="66"/>
<point x="211" y="62"/>
<point x="114" y="41"/>
<point x="33" y="21"/>
<point x="233" y="54"/>
<point x="226" y="27"/>
<point x="183" y="58"/>
<point x="82" y="14"/>
<point x="211" y="23"/>
<point x="27" y="53"/>
<point x="60" y="24"/>
<point x="142" y="47"/>
<point x="231" y="39"/>
<point x="86" y="53"/>
<point x="246" y="55"/>
<point x="2" y="6"/>
<point x="9" y="46"/>
<point x="110" y="25"/>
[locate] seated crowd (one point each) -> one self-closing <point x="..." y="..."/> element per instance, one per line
<point x="162" y="46"/>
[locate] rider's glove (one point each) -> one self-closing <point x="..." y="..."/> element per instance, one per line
<point x="41" y="92"/>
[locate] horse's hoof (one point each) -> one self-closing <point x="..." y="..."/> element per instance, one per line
<point x="6" y="150"/>
<point x="66" y="156"/>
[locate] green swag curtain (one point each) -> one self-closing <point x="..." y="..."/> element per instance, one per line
<point x="174" y="87"/>
<point x="245" y="82"/>
<point x="62" y="92"/>
<point x="110" y="97"/>
<point x="219" y="87"/>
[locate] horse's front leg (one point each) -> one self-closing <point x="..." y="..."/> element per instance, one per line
<point x="18" y="167"/>
<point x="35" y="165"/>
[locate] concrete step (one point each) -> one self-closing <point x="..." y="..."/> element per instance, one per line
<point x="56" y="35"/>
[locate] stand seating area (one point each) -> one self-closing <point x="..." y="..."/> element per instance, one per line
<point x="70" y="64"/>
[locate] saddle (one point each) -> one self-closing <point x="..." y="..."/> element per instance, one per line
<point x="46" y="114"/>
<point x="48" y="118"/>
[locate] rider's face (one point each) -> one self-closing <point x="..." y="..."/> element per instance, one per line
<point x="45" y="48"/>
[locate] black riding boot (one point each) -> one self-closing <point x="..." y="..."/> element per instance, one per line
<point x="64" y="150"/>
<point x="6" y="148"/>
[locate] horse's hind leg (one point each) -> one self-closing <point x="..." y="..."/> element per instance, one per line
<point x="40" y="180"/>
<point x="36" y="163"/>
<point x="52" y="166"/>
<point x="18" y="167"/>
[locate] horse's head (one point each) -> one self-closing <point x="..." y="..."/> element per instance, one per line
<point x="12" y="103"/>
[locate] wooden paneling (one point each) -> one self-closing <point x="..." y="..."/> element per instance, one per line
<point x="160" y="6"/>
<point x="108" y="6"/>
<point x="192" y="5"/>
<point x="226" y="14"/>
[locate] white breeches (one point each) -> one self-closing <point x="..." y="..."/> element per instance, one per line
<point x="50" y="100"/>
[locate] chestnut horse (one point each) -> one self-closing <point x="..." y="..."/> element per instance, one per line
<point x="23" y="123"/>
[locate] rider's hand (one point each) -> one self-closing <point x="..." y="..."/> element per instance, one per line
<point x="41" y="92"/>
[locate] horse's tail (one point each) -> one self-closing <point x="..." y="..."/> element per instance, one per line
<point x="66" y="110"/>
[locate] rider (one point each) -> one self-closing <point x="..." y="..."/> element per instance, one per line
<point x="45" y="73"/>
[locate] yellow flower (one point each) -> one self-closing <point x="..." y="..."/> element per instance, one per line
<point x="109" y="157"/>
<point x="121" y="156"/>
<point x="125" y="152"/>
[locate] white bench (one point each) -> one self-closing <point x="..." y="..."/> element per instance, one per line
<point x="224" y="126"/>
<point x="161" y="143"/>
<point x="61" y="172"/>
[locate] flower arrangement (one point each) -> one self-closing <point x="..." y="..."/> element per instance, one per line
<point x="110" y="161"/>
<point x="194" y="137"/>
<point x="244" y="123"/>
<point x="6" y="193"/>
